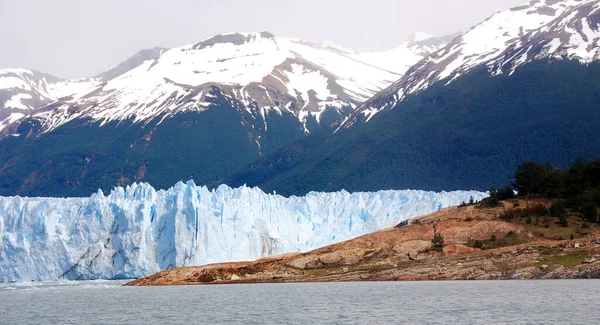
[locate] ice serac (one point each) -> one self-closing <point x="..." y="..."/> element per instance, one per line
<point x="138" y="230"/>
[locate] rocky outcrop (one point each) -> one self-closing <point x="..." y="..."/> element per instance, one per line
<point x="407" y="252"/>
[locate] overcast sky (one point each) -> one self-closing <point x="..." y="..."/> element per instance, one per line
<point x="79" y="38"/>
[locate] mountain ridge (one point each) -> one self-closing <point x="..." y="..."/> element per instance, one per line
<point x="492" y="43"/>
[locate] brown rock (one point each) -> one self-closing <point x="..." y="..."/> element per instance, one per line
<point x="456" y="235"/>
<point x="413" y="255"/>
<point x="414" y="245"/>
<point x="485" y="229"/>
<point x="458" y="249"/>
<point x="331" y="258"/>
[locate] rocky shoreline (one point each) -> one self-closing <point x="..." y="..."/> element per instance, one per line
<point x="476" y="244"/>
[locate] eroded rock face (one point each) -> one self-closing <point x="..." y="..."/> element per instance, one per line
<point x="458" y="249"/>
<point x="412" y="248"/>
<point x="486" y="229"/>
<point x="460" y="235"/>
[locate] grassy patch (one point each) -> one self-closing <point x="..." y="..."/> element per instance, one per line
<point x="502" y="267"/>
<point x="567" y="260"/>
<point x="553" y="232"/>
<point x="348" y="269"/>
<point x="402" y="265"/>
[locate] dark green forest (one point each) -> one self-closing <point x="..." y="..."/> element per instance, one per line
<point x="80" y="157"/>
<point x="470" y="134"/>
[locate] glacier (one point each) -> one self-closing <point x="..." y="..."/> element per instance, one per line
<point x="137" y="230"/>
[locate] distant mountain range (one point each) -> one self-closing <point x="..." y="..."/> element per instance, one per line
<point x="199" y="111"/>
<point x="522" y="85"/>
<point x="457" y="112"/>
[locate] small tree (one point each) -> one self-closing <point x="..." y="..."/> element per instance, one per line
<point x="590" y="212"/>
<point x="438" y="242"/>
<point x="489" y="202"/>
<point x="559" y="210"/>
<point x="531" y="178"/>
<point x="502" y="193"/>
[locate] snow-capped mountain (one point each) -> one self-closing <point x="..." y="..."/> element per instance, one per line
<point x="399" y="59"/>
<point x="256" y="72"/>
<point x="520" y="86"/>
<point x="23" y="90"/>
<point x="138" y="230"/>
<point x="133" y="62"/>
<point x="545" y="29"/>
<point x="199" y="111"/>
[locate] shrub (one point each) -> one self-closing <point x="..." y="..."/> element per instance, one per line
<point x="503" y="193"/>
<point x="590" y="212"/>
<point x="477" y="244"/>
<point x="531" y="178"/>
<point x="490" y="202"/>
<point x="559" y="210"/>
<point x="510" y="214"/>
<point x="438" y="242"/>
<point x="539" y="210"/>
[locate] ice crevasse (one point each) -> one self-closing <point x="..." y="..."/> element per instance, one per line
<point x="137" y="230"/>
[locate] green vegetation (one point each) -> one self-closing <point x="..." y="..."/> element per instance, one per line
<point x="510" y="239"/>
<point x="553" y="259"/>
<point x="438" y="243"/>
<point x="576" y="188"/>
<point x="470" y="134"/>
<point x="78" y="158"/>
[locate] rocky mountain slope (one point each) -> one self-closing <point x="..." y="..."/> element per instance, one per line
<point x="256" y="72"/>
<point x="475" y="245"/>
<point x="22" y="90"/>
<point x="200" y="111"/>
<point x="542" y="29"/>
<point x="519" y="86"/>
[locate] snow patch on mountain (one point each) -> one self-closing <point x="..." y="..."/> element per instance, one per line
<point x="541" y="29"/>
<point x="136" y="231"/>
<point x="251" y="70"/>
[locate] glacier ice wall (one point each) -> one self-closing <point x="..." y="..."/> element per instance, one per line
<point x="137" y="231"/>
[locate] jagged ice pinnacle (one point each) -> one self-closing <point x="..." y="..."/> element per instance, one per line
<point x="138" y="230"/>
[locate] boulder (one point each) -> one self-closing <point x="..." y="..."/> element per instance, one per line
<point x="403" y="249"/>
<point x="456" y="235"/>
<point x="485" y="229"/>
<point x="458" y="249"/>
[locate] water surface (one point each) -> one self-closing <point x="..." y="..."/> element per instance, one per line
<point x="459" y="302"/>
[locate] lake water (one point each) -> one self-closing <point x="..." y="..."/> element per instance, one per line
<point x="467" y="302"/>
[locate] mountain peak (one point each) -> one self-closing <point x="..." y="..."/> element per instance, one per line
<point x="133" y="62"/>
<point x="420" y="36"/>
<point x="233" y="38"/>
<point x="540" y="29"/>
